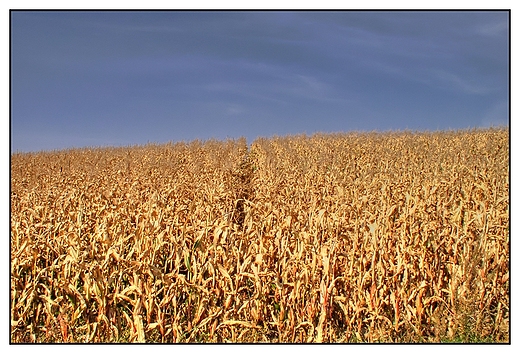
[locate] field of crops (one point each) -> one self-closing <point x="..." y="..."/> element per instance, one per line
<point x="358" y="237"/>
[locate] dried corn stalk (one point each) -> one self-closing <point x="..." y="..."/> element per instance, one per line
<point x="392" y="237"/>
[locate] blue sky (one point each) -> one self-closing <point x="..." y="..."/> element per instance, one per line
<point x="122" y="78"/>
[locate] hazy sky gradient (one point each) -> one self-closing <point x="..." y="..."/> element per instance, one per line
<point x="122" y="78"/>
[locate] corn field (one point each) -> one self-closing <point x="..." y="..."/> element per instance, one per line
<point x="355" y="237"/>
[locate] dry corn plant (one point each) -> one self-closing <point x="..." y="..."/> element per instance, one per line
<point x="394" y="237"/>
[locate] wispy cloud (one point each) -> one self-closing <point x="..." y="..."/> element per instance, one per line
<point x="284" y="89"/>
<point x="449" y="80"/>
<point x="235" y="109"/>
<point x="438" y="78"/>
<point x="493" y="29"/>
<point x="497" y="114"/>
<point x="301" y="87"/>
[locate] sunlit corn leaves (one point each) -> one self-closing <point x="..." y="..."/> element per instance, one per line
<point x="359" y="237"/>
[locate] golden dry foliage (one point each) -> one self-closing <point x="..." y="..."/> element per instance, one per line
<point x="394" y="237"/>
